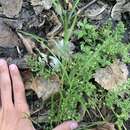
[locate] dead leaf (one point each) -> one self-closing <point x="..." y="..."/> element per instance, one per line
<point x="39" y="5"/>
<point x="69" y="3"/>
<point x="127" y="7"/>
<point x="120" y="7"/>
<point x="28" y="43"/>
<point x="95" y="11"/>
<point x="11" y="8"/>
<point x="20" y="62"/>
<point x="112" y="76"/>
<point x="7" y="37"/>
<point x="43" y="88"/>
<point x="57" y="27"/>
<point x="107" y="126"/>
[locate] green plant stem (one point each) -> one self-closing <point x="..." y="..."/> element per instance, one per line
<point x="73" y="9"/>
<point x="68" y="31"/>
<point x="119" y="127"/>
<point x="89" y="126"/>
<point x="124" y="127"/>
<point x="41" y="41"/>
<point x="89" y="114"/>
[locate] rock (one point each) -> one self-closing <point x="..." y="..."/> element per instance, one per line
<point x="11" y="8"/>
<point x="39" y="5"/>
<point x="112" y="76"/>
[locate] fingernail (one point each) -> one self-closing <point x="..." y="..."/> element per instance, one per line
<point x="73" y="125"/>
<point x="13" y="67"/>
<point x="2" y="61"/>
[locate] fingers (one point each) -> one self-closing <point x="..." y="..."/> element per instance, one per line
<point x="69" y="125"/>
<point x="5" y="85"/>
<point x="18" y="89"/>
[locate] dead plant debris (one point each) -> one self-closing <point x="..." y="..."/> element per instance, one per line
<point x="112" y="76"/>
<point x="107" y="126"/>
<point x="44" y="88"/>
<point x="122" y="6"/>
<point x="10" y="8"/>
<point x="39" y="5"/>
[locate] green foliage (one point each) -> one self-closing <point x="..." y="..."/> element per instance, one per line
<point x="68" y="17"/>
<point x="119" y="102"/>
<point x="38" y="67"/>
<point x="99" y="48"/>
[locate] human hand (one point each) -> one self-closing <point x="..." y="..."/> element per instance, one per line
<point x="13" y="105"/>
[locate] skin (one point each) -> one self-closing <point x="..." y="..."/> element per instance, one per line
<point x="12" y="113"/>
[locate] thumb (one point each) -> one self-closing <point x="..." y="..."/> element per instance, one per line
<point x="68" y="125"/>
